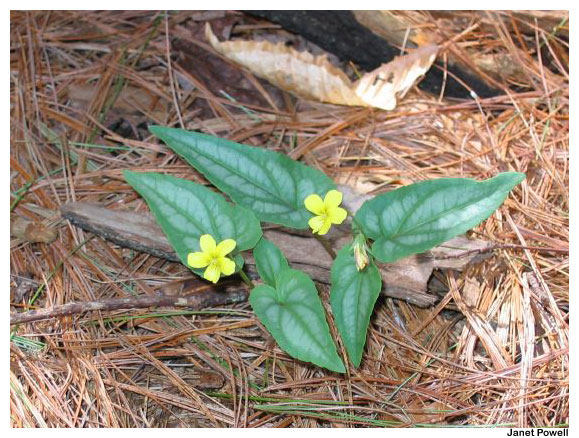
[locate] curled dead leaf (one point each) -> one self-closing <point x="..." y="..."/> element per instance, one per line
<point x="302" y="73"/>
<point x="313" y="77"/>
<point x="382" y="87"/>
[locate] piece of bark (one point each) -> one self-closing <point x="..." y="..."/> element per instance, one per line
<point x="32" y="232"/>
<point x="405" y="279"/>
<point x="137" y="231"/>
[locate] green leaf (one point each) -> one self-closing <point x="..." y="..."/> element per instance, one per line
<point x="271" y="184"/>
<point x="417" y="217"/>
<point x="353" y="295"/>
<point x="187" y="210"/>
<point x="269" y="260"/>
<point x="293" y="314"/>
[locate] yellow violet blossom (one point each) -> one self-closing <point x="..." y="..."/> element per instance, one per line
<point x="327" y="212"/>
<point x="213" y="257"/>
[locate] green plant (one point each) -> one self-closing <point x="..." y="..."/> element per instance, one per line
<point x="210" y="234"/>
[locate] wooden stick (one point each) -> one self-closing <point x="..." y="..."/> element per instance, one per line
<point x="196" y="301"/>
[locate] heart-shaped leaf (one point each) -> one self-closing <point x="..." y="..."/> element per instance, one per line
<point x="269" y="260"/>
<point x="353" y="295"/>
<point x="187" y="210"/>
<point x="294" y="315"/>
<point x="417" y="217"/>
<point x="271" y="184"/>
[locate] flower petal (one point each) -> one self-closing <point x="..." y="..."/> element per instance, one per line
<point x="333" y="198"/>
<point x="225" y="247"/>
<point x="207" y="243"/>
<point x="198" y="259"/>
<point x="227" y="266"/>
<point x="325" y="227"/>
<point x="212" y="272"/>
<point x="314" y="204"/>
<point x="337" y="215"/>
<point x="316" y="223"/>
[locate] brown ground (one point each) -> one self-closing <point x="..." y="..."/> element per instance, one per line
<point x="84" y="85"/>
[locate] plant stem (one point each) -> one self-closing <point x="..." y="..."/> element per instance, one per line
<point x="246" y="279"/>
<point x="326" y="245"/>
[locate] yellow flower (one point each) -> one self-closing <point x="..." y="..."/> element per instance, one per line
<point x="213" y="257"/>
<point x="327" y="211"/>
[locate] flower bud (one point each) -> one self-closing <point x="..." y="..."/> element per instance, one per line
<point x="360" y="252"/>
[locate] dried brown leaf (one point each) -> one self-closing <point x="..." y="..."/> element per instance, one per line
<point x="382" y="87"/>
<point x="313" y="77"/>
<point x="302" y="73"/>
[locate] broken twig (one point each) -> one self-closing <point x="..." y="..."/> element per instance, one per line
<point x="198" y="300"/>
